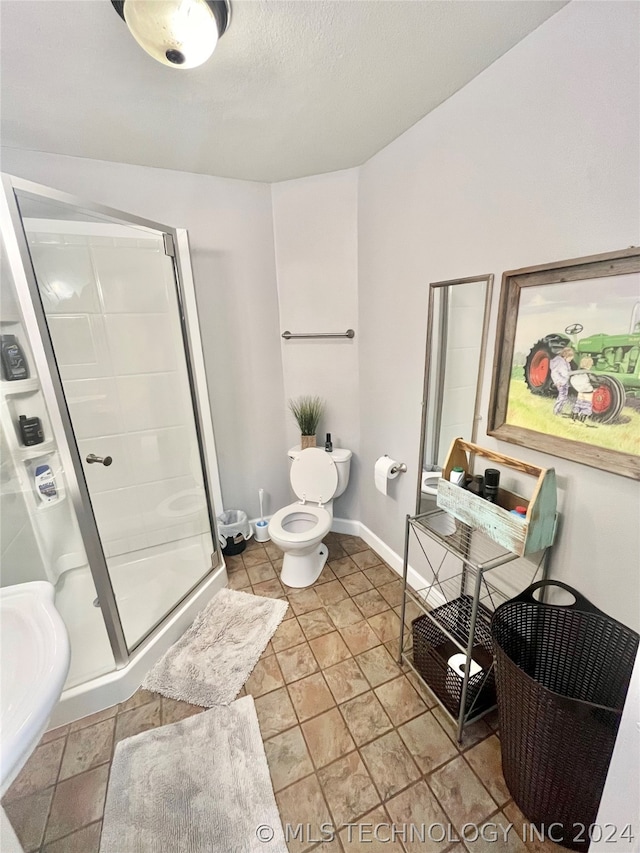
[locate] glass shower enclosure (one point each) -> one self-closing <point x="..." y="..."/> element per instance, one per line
<point x="108" y="468"/>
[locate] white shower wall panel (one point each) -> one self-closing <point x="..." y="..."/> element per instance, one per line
<point x="111" y="308"/>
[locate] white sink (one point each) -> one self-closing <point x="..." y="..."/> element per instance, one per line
<point x="34" y="661"/>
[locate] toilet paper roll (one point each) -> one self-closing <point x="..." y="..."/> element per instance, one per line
<point x="458" y="662"/>
<point x="382" y="472"/>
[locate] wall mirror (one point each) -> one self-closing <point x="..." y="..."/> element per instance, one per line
<point x="457" y="325"/>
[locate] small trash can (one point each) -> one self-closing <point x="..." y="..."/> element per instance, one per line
<point x="233" y="531"/>
<point x="562" y="674"/>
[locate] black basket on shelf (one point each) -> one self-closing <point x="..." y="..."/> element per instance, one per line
<point x="432" y="650"/>
<point x="562" y="675"/>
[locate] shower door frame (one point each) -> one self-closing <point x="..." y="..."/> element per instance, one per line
<point x="177" y="248"/>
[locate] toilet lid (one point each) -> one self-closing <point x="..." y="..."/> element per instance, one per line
<point x="314" y="476"/>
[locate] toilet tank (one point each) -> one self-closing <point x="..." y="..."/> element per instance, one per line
<point x="342" y="459"/>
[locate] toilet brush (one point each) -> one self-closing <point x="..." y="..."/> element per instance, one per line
<point x="262" y="532"/>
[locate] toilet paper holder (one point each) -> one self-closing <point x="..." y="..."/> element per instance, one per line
<point x="400" y="468"/>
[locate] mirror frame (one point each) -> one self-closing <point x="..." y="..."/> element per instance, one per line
<point x="440" y="380"/>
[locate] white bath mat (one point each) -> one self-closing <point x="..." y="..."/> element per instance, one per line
<point x="213" y="659"/>
<point x="198" y="786"/>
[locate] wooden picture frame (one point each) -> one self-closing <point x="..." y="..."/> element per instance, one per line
<point x="564" y="323"/>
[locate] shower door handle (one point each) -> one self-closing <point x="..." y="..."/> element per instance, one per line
<point x="106" y="460"/>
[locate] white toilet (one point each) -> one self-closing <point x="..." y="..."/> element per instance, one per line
<point x="317" y="477"/>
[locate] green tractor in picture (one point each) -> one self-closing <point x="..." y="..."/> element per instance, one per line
<point x="615" y="374"/>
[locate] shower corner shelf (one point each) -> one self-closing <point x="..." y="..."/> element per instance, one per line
<point x="45" y="448"/>
<point x="20" y="386"/>
<point x="451" y="612"/>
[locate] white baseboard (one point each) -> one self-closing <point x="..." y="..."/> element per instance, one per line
<point x="415" y="580"/>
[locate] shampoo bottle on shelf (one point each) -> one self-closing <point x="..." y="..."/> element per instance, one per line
<point x="14" y="364"/>
<point x="45" y="484"/>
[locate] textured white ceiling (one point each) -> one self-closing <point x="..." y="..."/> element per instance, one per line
<point x="294" y="88"/>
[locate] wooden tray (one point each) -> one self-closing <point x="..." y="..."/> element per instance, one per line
<point x="520" y="535"/>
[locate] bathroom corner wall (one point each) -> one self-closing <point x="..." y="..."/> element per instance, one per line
<point x="537" y="159"/>
<point x="231" y="237"/>
<point x="316" y="246"/>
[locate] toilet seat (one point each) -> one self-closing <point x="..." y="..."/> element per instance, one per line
<point x="318" y="530"/>
<point x="314" y="476"/>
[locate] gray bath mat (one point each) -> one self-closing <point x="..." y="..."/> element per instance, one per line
<point x="212" y="660"/>
<point x="198" y="786"/>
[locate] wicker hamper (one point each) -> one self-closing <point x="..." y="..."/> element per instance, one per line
<point x="562" y="674"/>
<point x="432" y="649"/>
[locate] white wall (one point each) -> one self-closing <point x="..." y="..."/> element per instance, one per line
<point x="535" y="160"/>
<point x="316" y="244"/>
<point x="231" y="237"/>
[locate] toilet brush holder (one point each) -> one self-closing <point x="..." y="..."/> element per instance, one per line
<point x="261" y="529"/>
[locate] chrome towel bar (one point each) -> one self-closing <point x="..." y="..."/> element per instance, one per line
<point x="348" y="334"/>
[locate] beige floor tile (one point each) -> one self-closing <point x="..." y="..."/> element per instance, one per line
<point x="288" y="758"/>
<point x="261" y="572"/>
<point x="522" y="827"/>
<point x="87" y="748"/>
<point x="425" y="693"/>
<point x="359" y="637"/>
<point x="353" y="544"/>
<point x="392" y="592"/>
<point x="348" y="789"/>
<point x="371" y="602"/>
<point x="266" y="676"/>
<point x="303" y="804"/>
<point x="98" y="717"/>
<point x="138" y="720"/>
<point x="460" y="793"/>
<point x="304" y="601"/>
<point x="427" y="742"/>
<point x="239" y="580"/>
<point x="378" y="666"/>
<point x="275" y="712"/>
<point x="343" y="567"/>
<point x="327" y="737"/>
<point x="329" y="649"/>
<point x="53" y="734"/>
<point x="254" y="556"/>
<point x="400" y="700"/>
<point x="486" y="760"/>
<point x="172" y="711"/>
<point x="40" y="771"/>
<point x="344" y="613"/>
<point x="77" y="802"/>
<point x="497" y="836"/>
<point x="345" y="680"/>
<point x="310" y="696"/>
<point x="380" y="575"/>
<point x="269" y="650"/>
<point x="316" y="623"/>
<point x="472" y="733"/>
<point x="288" y="634"/>
<point x="366" y="718"/>
<point x="269" y="589"/>
<point x="386" y="625"/>
<point x="326" y="575"/>
<point x="389" y="763"/>
<point x="332" y="592"/>
<point x="297" y="662"/>
<point x="234" y="563"/>
<point x="272" y="551"/>
<point x="422" y="822"/>
<point x="356" y="583"/>
<point x="140" y="697"/>
<point x="366" y="559"/>
<point x="371" y="834"/>
<point x="86" y="840"/>
<point x="28" y="817"/>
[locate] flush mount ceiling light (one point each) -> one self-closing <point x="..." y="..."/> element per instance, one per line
<point x="178" y="33"/>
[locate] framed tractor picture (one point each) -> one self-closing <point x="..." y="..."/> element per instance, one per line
<point x="566" y="376"/>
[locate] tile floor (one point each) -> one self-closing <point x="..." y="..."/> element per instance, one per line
<point x="349" y="736"/>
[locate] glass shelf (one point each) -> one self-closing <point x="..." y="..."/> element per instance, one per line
<point x="19" y="386"/>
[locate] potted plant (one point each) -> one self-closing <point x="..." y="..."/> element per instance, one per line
<point x="307" y="411"/>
